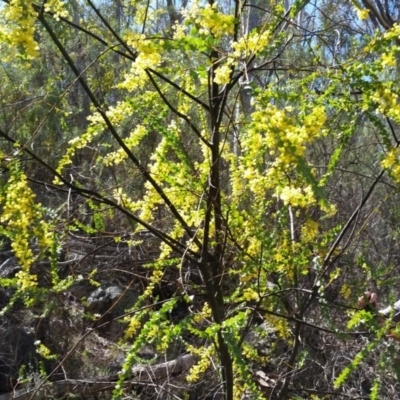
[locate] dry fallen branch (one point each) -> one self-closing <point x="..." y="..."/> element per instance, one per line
<point x="163" y="370"/>
<point x="86" y="387"/>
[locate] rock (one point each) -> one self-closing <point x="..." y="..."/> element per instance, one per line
<point x="110" y="302"/>
<point x="103" y="298"/>
<point x="9" y="268"/>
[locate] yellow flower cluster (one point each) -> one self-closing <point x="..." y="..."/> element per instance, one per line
<point x="133" y="327"/>
<point x="122" y="198"/>
<point x="118" y="156"/>
<point x="251" y="353"/>
<point x="392" y="162"/>
<point x="210" y="20"/>
<point x="250" y="294"/>
<point x="155" y="279"/>
<point x="26" y="280"/>
<point x="116" y="115"/>
<point x="283" y="256"/>
<point x="57" y="7"/>
<point x="23" y="220"/>
<point x="223" y="74"/>
<point x="143" y="44"/>
<point x="388" y="59"/>
<point x="239" y="389"/>
<point x="179" y="31"/>
<point x="149" y="56"/>
<point x="243" y="386"/>
<point x="164" y="343"/>
<point x="285" y="137"/>
<point x="204" y="314"/>
<point x="315" y="397"/>
<point x="19" y="213"/>
<point x="345" y="291"/>
<point x="204" y="363"/>
<point x="75" y="144"/>
<point x="387" y="103"/>
<point x="362" y="13"/>
<point x="154" y="331"/>
<point x="393" y="32"/>
<point x="19" y="28"/>
<point x="387" y="40"/>
<point x="44" y="351"/>
<point x="215" y="22"/>
<point x="281" y="326"/>
<point x="251" y="44"/>
<point x="176" y="232"/>
<point x="246" y="172"/>
<point x="282" y="134"/>
<point x="309" y="231"/>
<point x="148" y="204"/>
<point x="296" y="196"/>
<point x="175" y="174"/>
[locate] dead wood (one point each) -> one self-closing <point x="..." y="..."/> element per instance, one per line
<point x="87" y="387"/>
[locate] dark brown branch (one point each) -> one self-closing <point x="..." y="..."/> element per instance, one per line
<point x="113" y="32"/>
<point x="317" y="327"/>
<point x="147" y="176"/>
<point x="175" y="111"/>
<point x="174" y="244"/>
<point x="349" y="223"/>
<point x="89" y="387"/>
<point x="179" y="89"/>
<point x="385" y="24"/>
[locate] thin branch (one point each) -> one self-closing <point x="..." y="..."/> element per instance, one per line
<point x="392" y="130"/>
<point x="145" y="16"/>
<point x="327" y="261"/>
<point x="109" y="27"/>
<point x="335" y="394"/>
<point x="114" y="133"/>
<point x="180" y="89"/>
<point x="349" y="222"/>
<point x="317" y="327"/>
<point x="173" y="243"/>
<point x="87" y="333"/>
<point x="175" y="111"/>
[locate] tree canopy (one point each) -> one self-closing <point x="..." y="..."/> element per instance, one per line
<point x="223" y="175"/>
